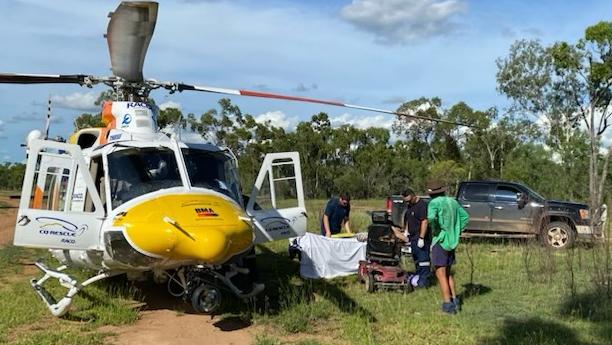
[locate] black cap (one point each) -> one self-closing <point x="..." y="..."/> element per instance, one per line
<point x="407" y="192"/>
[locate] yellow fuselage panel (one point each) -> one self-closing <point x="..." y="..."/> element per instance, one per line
<point x="206" y="228"/>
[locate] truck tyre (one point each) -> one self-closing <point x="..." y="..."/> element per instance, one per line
<point x="558" y="235"/>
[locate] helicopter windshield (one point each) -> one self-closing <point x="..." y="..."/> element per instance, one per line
<point x="213" y="170"/>
<point x="137" y="171"/>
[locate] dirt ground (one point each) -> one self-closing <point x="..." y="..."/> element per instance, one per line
<point x="160" y="322"/>
<point x="8" y="214"/>
<point x="167" y="327"/>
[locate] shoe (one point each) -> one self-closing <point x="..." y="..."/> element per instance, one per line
<point x="457" y="302"/>
<point x="449" y="308"/>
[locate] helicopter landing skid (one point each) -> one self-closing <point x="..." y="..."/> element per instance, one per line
<point x="60" y="308"/>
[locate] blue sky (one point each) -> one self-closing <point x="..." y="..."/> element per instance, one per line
<point x="368" y="52"/>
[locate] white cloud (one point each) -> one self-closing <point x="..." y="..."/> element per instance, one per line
<point x="77" y="101"/>
<point x="396" y="100"/>
<point x="363" y="122"/>
<point x="305" y="88"/>
<point x="26" y="117"/>
<point x="404" y="21"/>
<point x="278" y="119"/>
<point x="170" y="104"/>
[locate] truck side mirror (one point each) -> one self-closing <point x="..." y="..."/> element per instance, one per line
<point x="521" y="200"/>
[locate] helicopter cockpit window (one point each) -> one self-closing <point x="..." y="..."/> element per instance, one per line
<point x="213" y="170"/>
<point x="137" y="171"/>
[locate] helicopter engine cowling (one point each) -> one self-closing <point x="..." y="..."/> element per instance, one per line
<point x="130" y="117"/>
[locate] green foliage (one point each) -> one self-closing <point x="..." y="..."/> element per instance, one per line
<point x="87" y="120"/>
<point x="11" y="176"/>
<point x="569" y="86"/>
<point x="168" y="116"/>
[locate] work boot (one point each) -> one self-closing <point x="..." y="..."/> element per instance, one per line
<point x="457" y="302"/>
<point x="449" y="308"/>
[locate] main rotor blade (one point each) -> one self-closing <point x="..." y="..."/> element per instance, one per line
<point x="14" y="78"/>
<point x="128" y="34"/>
<point x="236" y="92"/>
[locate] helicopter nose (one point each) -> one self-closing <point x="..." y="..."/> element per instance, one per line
<point x="203" y="228"/>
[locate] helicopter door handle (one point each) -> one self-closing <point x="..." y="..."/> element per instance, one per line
<point x="466" y="206"/>
<point x="23" y="221"/>
<point x="499" y="208"/>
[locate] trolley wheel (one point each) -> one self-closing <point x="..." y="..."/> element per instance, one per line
<point x="370" y="282"/>
<point x="206" y="299"/>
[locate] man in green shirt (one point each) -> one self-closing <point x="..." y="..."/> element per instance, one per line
<point x="447" y="219"/>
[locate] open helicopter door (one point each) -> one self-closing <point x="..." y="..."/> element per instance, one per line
<point x="277" y="203"/>
<point x="47" y="218"/>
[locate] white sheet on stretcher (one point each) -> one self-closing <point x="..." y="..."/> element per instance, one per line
<point x="324" y="257"/>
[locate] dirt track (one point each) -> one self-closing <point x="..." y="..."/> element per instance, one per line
<point x="8" y="214"/>
<point x="160" y="323"/>
<point x="168" y="327"/>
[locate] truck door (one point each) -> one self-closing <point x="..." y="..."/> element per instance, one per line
<point x="276" y="204"/>
<point x="507" y="216"/>
<point x="46" y="217"/>
<point x="475" y="198"/>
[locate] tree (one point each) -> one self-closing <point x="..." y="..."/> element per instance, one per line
<point x="87" y="120"/>
<point x="169" y="116"/>
<point x="569" y="85"/>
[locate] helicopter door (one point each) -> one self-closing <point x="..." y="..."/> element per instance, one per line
<point x="47" y="215"/>
<point x="276" y="204"/>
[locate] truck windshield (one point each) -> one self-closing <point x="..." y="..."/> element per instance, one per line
<point x="137" y="171"/>
<point x="212" y="170"/>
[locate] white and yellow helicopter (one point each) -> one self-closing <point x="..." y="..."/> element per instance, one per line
<point x="127" y="198"/>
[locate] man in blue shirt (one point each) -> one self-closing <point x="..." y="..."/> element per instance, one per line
<point x="419" y="237"/>
<point x="336" y="215"/>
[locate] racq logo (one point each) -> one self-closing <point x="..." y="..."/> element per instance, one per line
<point x="206" y="212"/>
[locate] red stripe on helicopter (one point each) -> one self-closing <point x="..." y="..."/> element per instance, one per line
<point x="289" y="98"/>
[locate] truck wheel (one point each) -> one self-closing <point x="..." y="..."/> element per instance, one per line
<point x="558" y="235"/>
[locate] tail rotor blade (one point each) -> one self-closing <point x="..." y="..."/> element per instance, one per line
<point x="128" y="35"/>
<point x="237" y="92"/>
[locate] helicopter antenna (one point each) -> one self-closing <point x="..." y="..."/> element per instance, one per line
<point x="48" y="124"/>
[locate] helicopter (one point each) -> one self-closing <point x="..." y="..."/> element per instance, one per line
<point x="129" y="199"/>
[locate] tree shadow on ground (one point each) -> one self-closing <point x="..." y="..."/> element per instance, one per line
<point x="472" y="290"/>
<point x="284" y="290"/>
<point x="281" y="276"/>
<point x="593" y="306"/>
<point x="532" y="331"/>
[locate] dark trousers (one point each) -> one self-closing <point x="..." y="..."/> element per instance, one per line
<point x="422" y="263"/>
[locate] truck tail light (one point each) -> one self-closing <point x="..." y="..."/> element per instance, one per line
<point x="389" y="205"/>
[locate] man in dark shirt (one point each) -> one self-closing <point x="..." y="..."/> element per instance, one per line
<point x="418" y="235"/>
<point x="336" y="215"/>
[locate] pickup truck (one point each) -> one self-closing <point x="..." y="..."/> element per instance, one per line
<point x="513" y="210"/>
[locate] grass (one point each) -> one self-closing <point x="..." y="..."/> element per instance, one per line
<point x="515" y="292"/>
<point x="25" y="320"/>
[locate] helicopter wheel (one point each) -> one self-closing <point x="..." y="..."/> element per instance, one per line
<point x="206" y="299"/>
